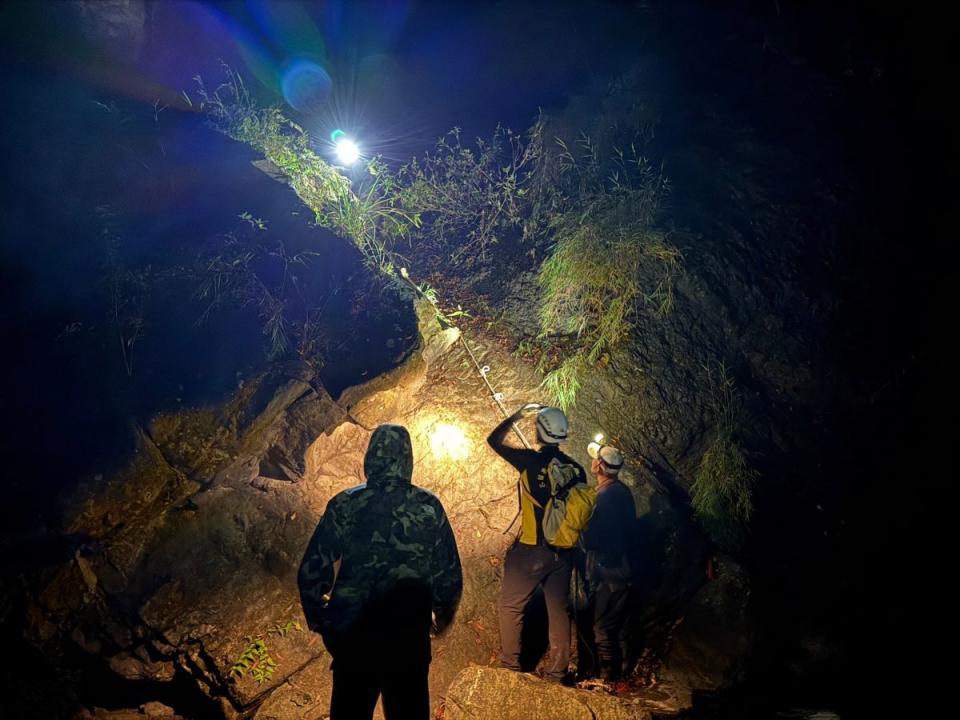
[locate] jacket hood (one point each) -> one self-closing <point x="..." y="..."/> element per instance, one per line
<point x="389" y="458"/>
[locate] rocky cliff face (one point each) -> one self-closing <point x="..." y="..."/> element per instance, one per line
<point x="192" y="550"/>
<point x="195" y="545"/>
<point x="791" y="203"/>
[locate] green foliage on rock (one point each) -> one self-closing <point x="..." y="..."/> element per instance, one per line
<point x="563" y="382"/>
<point x="722" y="492"/>
<point x="606" y="245"/>
<point x="284" y="629"/>
<point x="590" y="211"/>
<point x="256" y="660"/>
<point x="371" y="217"/>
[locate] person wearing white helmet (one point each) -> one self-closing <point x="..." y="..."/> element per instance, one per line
<point x="608" y="541"/>
<point x="531" y="561"/>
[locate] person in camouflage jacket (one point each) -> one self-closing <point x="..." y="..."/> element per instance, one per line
<point x="381" y="569"/>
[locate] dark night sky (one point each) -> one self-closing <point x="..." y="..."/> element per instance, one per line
<point x="405" y="72"/>
<point x="402" y="72"/>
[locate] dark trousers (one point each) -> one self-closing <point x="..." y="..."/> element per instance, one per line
<point x="525" y="568"/>
<point x="611" y="602"/>
<point x="358" y="683"/>
<point x="386" y="651"/>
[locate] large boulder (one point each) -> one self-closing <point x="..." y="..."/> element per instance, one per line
<point x="388" y="395"/>
<point x="192" y="549"/>
<point x="484" y="693"/>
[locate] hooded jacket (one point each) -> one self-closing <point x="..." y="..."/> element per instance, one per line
<point x="392" y="541"/>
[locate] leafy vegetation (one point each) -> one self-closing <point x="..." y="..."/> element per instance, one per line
<point x="563" y="382"/>
<point x="721" y="495"/>
<point x="370" y="217"/>
<point x="261" y="274"/>
<point x="470" y="198"/>
<point x="282" y="630"/>
<point x="605" y="246"/>
<point x="256" y="658"/>
<point x="591" y="211"/>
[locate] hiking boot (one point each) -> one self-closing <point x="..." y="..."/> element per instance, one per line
<point x="566" y="679"/>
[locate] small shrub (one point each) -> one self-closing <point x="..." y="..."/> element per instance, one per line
<point x="256" y="660"/>
<point x="563" y="382"/>
<point x="722" y="491"/>
<point x="470" y="197"/>
<point x="593" y="281"/>
<point x="282" y="630"/>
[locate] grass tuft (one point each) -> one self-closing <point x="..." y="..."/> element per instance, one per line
<point x="722" y="492"/>
<point x="563" y="382"/>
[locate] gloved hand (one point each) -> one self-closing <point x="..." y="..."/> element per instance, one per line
<point x="529" y="409"/>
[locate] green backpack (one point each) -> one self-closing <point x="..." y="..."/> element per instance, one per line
<point x="570" y="506"/>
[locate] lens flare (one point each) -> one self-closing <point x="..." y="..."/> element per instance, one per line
<point x="305" y="85"/>
<point x="347" y="151"/>
<point x="449" y="442"/>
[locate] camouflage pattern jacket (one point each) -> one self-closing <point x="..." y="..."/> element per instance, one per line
<point x="375" y="537"/>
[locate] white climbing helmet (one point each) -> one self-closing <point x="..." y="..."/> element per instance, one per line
<point x="551" y="425"/>
<point x="611" y="458"/>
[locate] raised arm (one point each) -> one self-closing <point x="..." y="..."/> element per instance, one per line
<point x="497" y="438"/>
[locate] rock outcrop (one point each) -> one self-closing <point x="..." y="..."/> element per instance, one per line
<point x="480" y="693"/>
<point x="192" y="549"/>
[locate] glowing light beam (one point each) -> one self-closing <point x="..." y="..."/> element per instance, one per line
<point x="347" y="150"/>
<point x="449" y="442"/>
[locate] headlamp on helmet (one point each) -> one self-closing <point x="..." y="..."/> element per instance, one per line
<point x="609" y="456"/>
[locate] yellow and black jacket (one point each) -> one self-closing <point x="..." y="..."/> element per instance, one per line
<point x="534" y="483"/>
